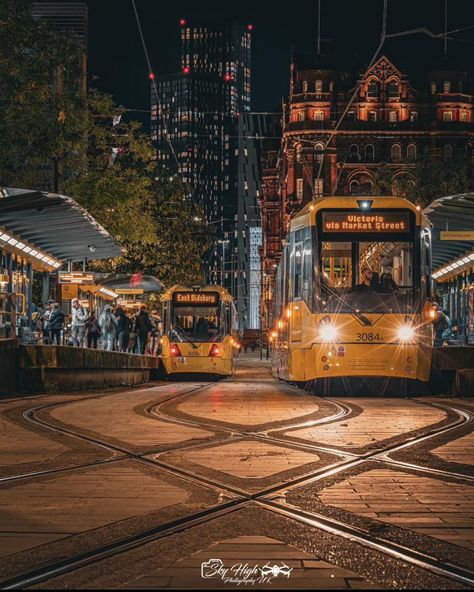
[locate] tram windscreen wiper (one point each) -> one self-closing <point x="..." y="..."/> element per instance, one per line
<point x="182" y="333"/>
<point x="365" y="321"/>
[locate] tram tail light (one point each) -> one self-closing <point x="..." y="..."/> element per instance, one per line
<point x="214" y="350"/>
<point x="175" y="351"/>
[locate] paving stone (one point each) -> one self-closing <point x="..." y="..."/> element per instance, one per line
<point x="460" y="450"/>
<point x="308" y="571"/>
<point x="249" y="458"/>
<point x="380" y="420"/>
<point x="433" y="515"/>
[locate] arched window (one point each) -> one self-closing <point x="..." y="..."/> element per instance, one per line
<point x="447" y="151"/>
<point x="367" y="188"/>
<point x="393" y="90"/>
<point x="373" y="89"/>
<point x="396" y="153"/>
<point x="318" y="152"/>
<point x="369" y="153"/>
<point x="354" y="155"/>
<point x="298" y="152"/>
<point x="354" y="187"/>
<point x="411" y="152"/>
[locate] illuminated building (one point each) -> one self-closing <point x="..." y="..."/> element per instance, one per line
<point x="197" y="112"/>
<point x="399" y="116"/>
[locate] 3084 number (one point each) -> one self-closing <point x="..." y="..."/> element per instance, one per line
<point x="368" y="337"/>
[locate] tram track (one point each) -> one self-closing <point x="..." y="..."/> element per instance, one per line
<point x="235" y="498"/>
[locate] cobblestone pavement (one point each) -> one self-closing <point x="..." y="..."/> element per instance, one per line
<point x="244" y="483"/>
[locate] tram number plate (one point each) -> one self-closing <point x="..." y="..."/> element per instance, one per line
<point x="368" y="337"/>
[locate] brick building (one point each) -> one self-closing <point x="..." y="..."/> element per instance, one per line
<point x="399" y="116"/>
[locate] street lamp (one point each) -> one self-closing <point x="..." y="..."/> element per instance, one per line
<point x="223" y="243"/>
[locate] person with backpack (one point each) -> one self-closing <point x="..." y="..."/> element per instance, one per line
<point x="78" y="325"/>
<point x="56" y="323"/>
<point x="124" y="327"/>
<point x="440" y="324"/>
<point x="108" y="327"/>
<point x="143" y="327"/>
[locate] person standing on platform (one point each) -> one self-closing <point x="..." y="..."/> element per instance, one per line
<point x="56" y="324"/>
<point x="78" y="325"/>
<point x="93" y="330"/>
<point x="143" y="326"/>
<point x="124" y="326"/>
<point x="46" y="328"/>
<point x="108" y="327"/>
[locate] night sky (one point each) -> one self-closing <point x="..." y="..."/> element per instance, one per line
<point x="116" y="55"/>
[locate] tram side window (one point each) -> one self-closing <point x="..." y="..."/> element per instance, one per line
<point x="426" y="259"/>
<point x="308" y="270"/>
<point x="228" y="318"/>
<point x="298" y="271"/>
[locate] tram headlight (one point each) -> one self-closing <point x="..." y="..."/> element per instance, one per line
<point x="328" y="332"/>
<point x="405" y="333"/>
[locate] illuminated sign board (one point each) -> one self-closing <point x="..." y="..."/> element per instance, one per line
<point x="76" y="277"/>
<point x="195" y="298"/>
<point x="457" y="235"/>
<point x="366" y="222"/>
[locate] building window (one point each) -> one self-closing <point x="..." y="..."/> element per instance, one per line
<point x="300" y="115"/>
<point x="318" y="115"/>
<point x="447" y="115"/>
<point x="433" y="88"/>
<point x="393" y="90"/>
<point x="392" y="116"/>
<point x="447" y="86"/>
<point x="464" y="116"/>
<point x="373" y="89"/>
<point x="318" y="152"/>
<point x="305" y="86"/>
<point x="411" y="152"/>
<point x="447" y="151"/>
<point x="318" y="188"/>
<point x="299" y="152"/>
<point x="299" y="188"/>
<point x="369" y="153"/>
<point x="319" y="86"/>
<point x="413" y="116"/>
<point x="354" y="187"/>
<point x="372" y="116"/>
<point x="350" y="116"/>
<point x="354" y="155"/>
<point x="396" y="153"/>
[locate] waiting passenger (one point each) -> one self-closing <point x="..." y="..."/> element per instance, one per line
<point x="388" y="285"/>
<point x="366" y="284"/>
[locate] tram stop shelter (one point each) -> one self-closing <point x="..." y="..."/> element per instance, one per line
<point x="133" y="289"/>
<point x="40" y="234"/>
<point x="453" y="259"/>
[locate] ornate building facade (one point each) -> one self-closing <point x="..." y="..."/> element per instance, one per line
<point x="391" y="120"/>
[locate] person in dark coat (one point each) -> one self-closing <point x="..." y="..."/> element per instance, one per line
<point x="143" y="327"/>
<point x="124" y="326"/>
<point x="93" y="330"/>
<point x="56" y="323"/>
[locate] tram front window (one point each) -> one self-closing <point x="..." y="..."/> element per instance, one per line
<point x="367" y="277"/>
<point x="195" y="324"/>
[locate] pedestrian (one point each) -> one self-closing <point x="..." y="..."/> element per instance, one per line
<point x="93" y="330"/>
<point x="56" y="323"/>
<point x="253" y="345"/>
<point x="132" y="341"/>
<point x="447" y="335"/>
<point x="143" y="327"/>
<point x="78" y="324"/>
<point x="46" y="328"/>
<point x="108" y="327"/>
<point x="439" y="324"/>
<point x="124" y="327"/>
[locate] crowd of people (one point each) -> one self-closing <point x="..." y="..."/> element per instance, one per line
<point x="112" y="330"/>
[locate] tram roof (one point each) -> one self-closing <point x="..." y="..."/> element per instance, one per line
<point x="223" y="292"/>
<point x="451" y="213"/>
<point x="55" y="223"/>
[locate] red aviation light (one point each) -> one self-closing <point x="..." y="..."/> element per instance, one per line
<point x="227" y="77"/>
<point x="186" y="70"/>
<point x="151" y="76"/>
<point x="175" y="351"/>
<point x="182" y="22"/>
<point x="250" y="27"/>
<point x="214" y="350"/>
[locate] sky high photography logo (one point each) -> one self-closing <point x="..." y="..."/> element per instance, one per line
<point x="243" y="573"/>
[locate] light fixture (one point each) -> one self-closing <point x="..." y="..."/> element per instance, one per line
<point x="328" y="332"/>
<point x="108" y="292"/>
<point x="364" y="204"/>
<point x="27" y="249"/>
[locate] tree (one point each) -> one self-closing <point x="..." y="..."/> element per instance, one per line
<point x="42" y="104"/>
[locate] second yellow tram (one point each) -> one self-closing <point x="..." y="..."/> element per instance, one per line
<point x="199" y="331"/>
<point x="353" y="295"/>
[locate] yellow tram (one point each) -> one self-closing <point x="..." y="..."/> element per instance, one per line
<point x="199" y="330"/>
<point x="352" y="295"/>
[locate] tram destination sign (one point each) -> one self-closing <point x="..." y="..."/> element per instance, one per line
<point x="195" y="298"/>
<point x="377" y="222"/>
